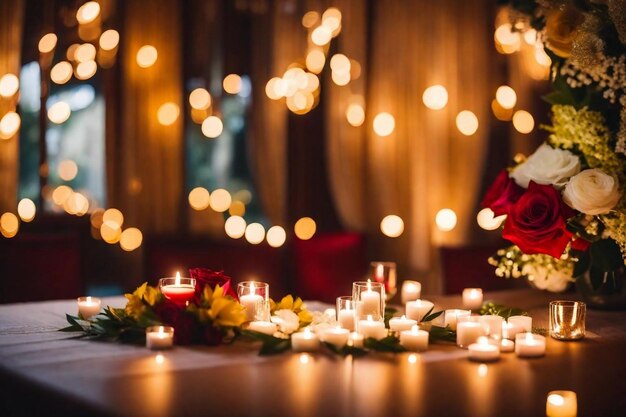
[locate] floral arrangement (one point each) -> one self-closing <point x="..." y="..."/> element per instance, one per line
<point x="565" y="204"/>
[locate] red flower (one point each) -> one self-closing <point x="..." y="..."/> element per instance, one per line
<point x="580" y="244"/>
<point x="206" y="276"/>
<point x="502" y="194"/>
<point x="172" y="314"/>
<point x="536" y="222"/>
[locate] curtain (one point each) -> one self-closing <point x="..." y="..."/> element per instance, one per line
<point x="425" y="164"/>
<point x="11" y="21"/>
<point x="146" y="171"/>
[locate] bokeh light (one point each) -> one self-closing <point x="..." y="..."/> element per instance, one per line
<point x="274" y="89"/>
<point x="235" y="227"/>
<point x="200" y="99"/>
<point x="88" y="12"/>
<point x="85" y="52"/>
<point x="113" y="216"/>
<point x="321" y="35"/>
<point x="237" y="208"/>
<point x="445" y="219"/>
<point x="467" y="122"/>
<point x="507" y="40"/>
<point x="435" y="97"/>
<point x="500" y="112"/>
<point x="199" y="198"/>
<point x="9" y="84"/>
<point x="276" y="236"/>
<point x="506" y="96"/>
<point x="523" y="121"/>
<point x="96" y="218"/>
<point x="47" y="43"/>
<point x="59" y="112"/>
<point x="110" y="232"/>
<point x="61" y="194"/>
<point x="131" y="239"/>
<point x="255" y="233"/>
<point x="384" y="124"/>
<point x="232" y="84"/>
<point x="392" y="225"/>
<point x="212" y="127"/>
<point x="305" y="228"/>
<point x="487" y="220"/>
<point x="147" y="56"/>
<point x="220" y="200"/>
<point x="9" y="125"/>
<point x="9" y="224"/>
<point x="86" y="70"/>
<point x="341" y="78"/>
<point x="61" y="72"/>
<point x="109" y="40"/>
<point x="67" y="170"/>
<point x="340" y="63"/>
<point x="26" y="209"/>
<point x="315" y="61"/>
<point x="310" y="19"/>
<point x="168" y="113"/>
<point x="355" y="114"/>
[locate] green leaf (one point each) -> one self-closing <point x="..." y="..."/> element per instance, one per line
<point x="387" y="344"/>
<point x="346" y="350"/>
<point x="441" y="334"/>
<point x="430" y="317"/>
<point x="489" y="308"/>
<point x="270" y="345"/>
<point x="389" y="313"/>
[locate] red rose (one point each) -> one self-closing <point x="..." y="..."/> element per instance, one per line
<point x="172" y="314"/>
<point x="536" y="222"/>
<point x="502" y="194"/>
<point x="580" y="244"/>
<point x="206" y="276"/>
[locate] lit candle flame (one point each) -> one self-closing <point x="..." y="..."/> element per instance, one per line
<point x="177" y="281"/>
<point x="252" y="288"/>
<point x="369" y="285"/>
<point x="529" y="337"/>
<point x="370" y="318"/>
<point x="414" y="329"/>
<point x="88" y="299"/>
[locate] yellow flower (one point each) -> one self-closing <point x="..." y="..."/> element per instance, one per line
<point x="295" y="305"/>
<point x="144" y="294"/>
<point x="222" y="310"/>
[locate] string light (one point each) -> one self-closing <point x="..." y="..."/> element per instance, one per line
<point x="276" y="236"/>
<point x="235" y="227"/>
<point x="168" y="113"/>
<point x="384" y="124"/>
<point x="199" y="198"/>
<point x="467" y="122"/>
<point x="47" y="43"/>
<point x="131" y="239"/>
<point x="220" y="200"/>
<point x="9" y="225"/>
<point x="355" y="114"/>
<point x="506" y="97"/>
<point x="86" y="70"/>
<point x="147" y="56"/>
<point x="109" y="40"/>
<point x="9" y="125"/>
<point x="26" y="209"/>
<point x="9" y="84"/>
<point x="445" y="219"/>
<point x="59" y="112"/>
<point x="392" y="225"/>
<point x="67" y="170"/>
<point x="255" y="233"/>
<point x="305" y="228"/>
<point x="435" y="97"/>
<point x="200" y="99"/>
<point x="212" y="127"/>
<point x="232" y="84"/>
<point x="523" y="121"/>
<point x="88" y="12"/>
<point x="61" y="72"/>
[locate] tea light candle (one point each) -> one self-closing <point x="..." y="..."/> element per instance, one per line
<point x="507" y="345"/>
<point x="411" y="291"/>
<point x="414" y="339"/>
<point x="371" y="328"/>
<point x="251" y="302"/>
<point x="266" y="327"/>
<point x="336" y="336"/>
<point x="468" y="332"/>
<point x="399" y="324"/>
<point x="561" y="404"/>
<point x="472" y="298"/>
<point x="159" y="337"/>
<point x="451" y="317"/>
<point x="509" y="330"/>
<point x="88" y="306"/>
<point x="355" y="340"/>
<point x="177" y="291"/>
<point x="416" y="310"/>
<point x="525" y="322"/>
<point x="346" y="319"/>
<point x="305" y="341"/>
<point x="493" y="325"/>
<point x="483" y="351"/>
<point x="528" y="345"/>
<point x="370" y="301"/>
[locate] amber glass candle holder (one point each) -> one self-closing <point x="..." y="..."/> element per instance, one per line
<point x="567" y="320"/>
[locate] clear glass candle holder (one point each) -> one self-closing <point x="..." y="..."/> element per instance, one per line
<point x="345" y="312"/>
<point x="178" y="290"/>
<point x="567" y="320"/>
<point x="255" y="297"/>
<point x="369" y="299"/>
<point x="385" y="273"/>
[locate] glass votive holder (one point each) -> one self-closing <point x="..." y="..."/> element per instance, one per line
<point x="561" y="404"/>
<point x="385" y="273"/>
<point x="88" y="306"/>
<point x="159" y="337"/>
<point x="345" y="312"/>
<point x="255" y="297"/>
<point x="369" y="299"/>
<point x="567" y="320"/>
<point x="178" y="290"/>
<point x="411" y="291"/>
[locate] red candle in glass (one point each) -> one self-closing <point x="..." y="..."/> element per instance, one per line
<point x="178" y="290"/>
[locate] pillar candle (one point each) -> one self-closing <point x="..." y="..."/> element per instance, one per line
<point x="509" y="330"/>
<point x="346" y="319"/>
<point x="371" y="328"/>
<point x="528" y="345"/>
<point x="305" y="341"/>
<point x="336" y="336"/>
<point x="251" y="302"/>
<point x="468" y="332"/>
<point x="414" y="339"/>
<point x="493" y="325"/>
<point x="524" y="322"/>
<point x="370" y="303"/>
<point x="451" y="317"/>
<point x="417" y="309"/>
<point x="472" y="298"/>
<point x="483" y="351"/>
<point x="399" y="324"/>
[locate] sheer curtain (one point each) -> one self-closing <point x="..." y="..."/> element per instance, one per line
<point x="425" y="164"/>
<point x="11" y="21"/>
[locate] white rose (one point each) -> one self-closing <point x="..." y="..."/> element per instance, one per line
<point x="553" y="280"/>
<point x="547" y="166"/>
<point x="287" y="321"/>
<point x="592" y="192"/>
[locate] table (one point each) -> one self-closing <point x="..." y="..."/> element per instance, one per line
<point x="46" y="372"/>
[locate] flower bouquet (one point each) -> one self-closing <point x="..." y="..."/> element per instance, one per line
<point x="564" y="207"/>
